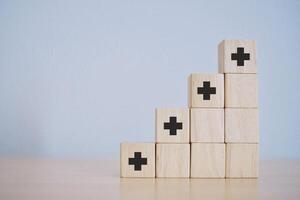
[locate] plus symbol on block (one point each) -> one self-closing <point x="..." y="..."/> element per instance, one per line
<point x="137" y="161"/>
<point x="206" y="90"/>
<point x="240" y="56"/>
<point x="173" y="126"/>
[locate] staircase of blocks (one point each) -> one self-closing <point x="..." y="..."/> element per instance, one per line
<point x="217" y="136"/>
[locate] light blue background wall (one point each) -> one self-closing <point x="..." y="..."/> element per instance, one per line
<point x="79" y="77"/>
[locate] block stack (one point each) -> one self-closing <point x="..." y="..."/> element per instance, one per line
<point x="237" y="60"/>
<point x="217" y="136"/>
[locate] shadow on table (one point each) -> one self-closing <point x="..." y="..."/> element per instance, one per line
<point x="188" y="189"/>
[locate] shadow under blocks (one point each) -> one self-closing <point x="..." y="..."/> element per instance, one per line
<point x="216" y="136"/>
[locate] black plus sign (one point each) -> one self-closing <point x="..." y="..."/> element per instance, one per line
<point x="137" y="161"/>
<point x="240" y="56"/>
<point x="173" y="126"/>
<point x="206" y="90"/>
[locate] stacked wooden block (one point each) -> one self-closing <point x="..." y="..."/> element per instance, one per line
<point x="217" y="136"/>
<point x="237" y="60"/>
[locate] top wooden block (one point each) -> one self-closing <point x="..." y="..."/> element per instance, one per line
<point x="237" y="57"/>
<point x="206" y="91"/>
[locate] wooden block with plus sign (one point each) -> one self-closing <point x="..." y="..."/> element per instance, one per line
<point x="241" y="91"/>
<point x="207" y="125"/>
<point x="172" y="125"/>
<point x="237" y="56"/>
<point x="206" y="90"/>
<point x="173" y="160"/>
<point x="241" y="125"/>
<point x="137" y="160"/>
<point x="242" y="160"/>
<point x="208" y="160"/>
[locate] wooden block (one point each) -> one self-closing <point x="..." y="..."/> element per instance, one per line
<point x="137" y="160"/>
<point x="241" y="125"/>
<point x="172" y="125"/>
<point x="173" y="160"/>
<point x="206" y="90"/>
<point x="207" y="125"/>
<point x="241" y="91"/>
<point x="237" y="56"/>
<point x="242" y="160"/>
<point x="207" y="160"/>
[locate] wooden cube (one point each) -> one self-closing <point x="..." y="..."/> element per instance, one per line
<point x="237" y="56"/>
<point x="137" y="160"/>
<point x="173" y="160"/>
<point x="242" y="160"/>
<point x="207" y="125"/>
<point x="241" y="125"/>
<point x="206" y="90"/>
<point x="172" y="125"/>
<point x="241" y="91"/>
<point x="207" y="160"/>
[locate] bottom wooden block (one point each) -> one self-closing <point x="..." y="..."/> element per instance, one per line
<point x="137" y="160"/>
<point x="173" y="160"/>
<point x="207" y="160"/>
<point x="242" y="160"/>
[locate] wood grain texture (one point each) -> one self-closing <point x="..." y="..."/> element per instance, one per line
<point x="207" y="125"/>
<point x="241" y="91"/>
<point x="127" y="151"/>
<point x="163" y="116"/>
<point x="173" y="160"/>
<point x="241" y="125"/>
<point x="207" y="160"/>
<point x="196" y="100"/>
<point x="227" y="65"/>
<point x="242" y="160"/>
